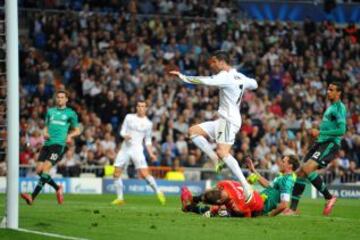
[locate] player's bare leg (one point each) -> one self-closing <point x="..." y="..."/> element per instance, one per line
<point x="223" y="151"/>
<point x="198" y="137"/>
<point x="144" y="172"/>
<point x="119" y="187"/>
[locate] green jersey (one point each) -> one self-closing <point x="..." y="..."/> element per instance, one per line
<point x="333" y="124"/>
<point x="281" y="189"/>
<point x="58" y="122"/>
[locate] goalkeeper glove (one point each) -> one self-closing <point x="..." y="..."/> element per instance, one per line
<point x="253" y="178"/>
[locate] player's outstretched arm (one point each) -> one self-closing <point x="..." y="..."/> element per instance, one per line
<point x="279" y="208"/>
<point x="214" y="80"/>
<point x="256" y="177"/>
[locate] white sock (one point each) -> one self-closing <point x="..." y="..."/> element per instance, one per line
<point x="151" y="181"/>
<point x="119" y="186"/>
<point x="231" y="162"/>
<point x="204" y="145"/>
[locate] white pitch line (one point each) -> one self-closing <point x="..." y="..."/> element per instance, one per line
<point x="49" y="234"/>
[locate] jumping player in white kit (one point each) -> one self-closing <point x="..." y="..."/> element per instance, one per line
<point x="135" y="128"/>
<point x="232" y="85"/>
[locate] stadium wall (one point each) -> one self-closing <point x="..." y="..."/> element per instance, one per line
<point x="136" y="186"/>
<point x="104" y="185"/>
<point x="344" y="191"/>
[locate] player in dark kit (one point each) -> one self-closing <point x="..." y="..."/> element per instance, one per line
<point x="332" y="128"/>
<point x="58" y="121"/>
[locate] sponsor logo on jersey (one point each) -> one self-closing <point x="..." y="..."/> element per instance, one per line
<point x="57" y="122"/>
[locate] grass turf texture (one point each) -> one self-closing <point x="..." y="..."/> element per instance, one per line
<point x="92" y="217"/>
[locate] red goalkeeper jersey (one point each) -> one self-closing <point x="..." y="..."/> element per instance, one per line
<point x="236" y="204"/>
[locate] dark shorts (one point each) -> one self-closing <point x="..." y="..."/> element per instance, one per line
<point x="52" y="153"/>
<point x="323" y="153"/>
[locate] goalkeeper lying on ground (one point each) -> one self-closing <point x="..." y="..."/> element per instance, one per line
<point x="230" y="198"/>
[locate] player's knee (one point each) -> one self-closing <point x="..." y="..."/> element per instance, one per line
<point x="144" y="173"/>
<point x="38" y="170"/>
<point x="300" y="172"/>
<point x="192" y="131"/>
<point x="308" y="168"/>
<point x="117" y="173"/>
<point x="222" y="153"/>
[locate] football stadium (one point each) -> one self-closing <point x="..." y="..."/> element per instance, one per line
<point x="182" y="119"/>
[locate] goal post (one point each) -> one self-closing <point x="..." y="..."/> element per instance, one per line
<point x="12" y="77"/>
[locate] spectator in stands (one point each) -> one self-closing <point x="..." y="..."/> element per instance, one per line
<point x="69" y="166"/>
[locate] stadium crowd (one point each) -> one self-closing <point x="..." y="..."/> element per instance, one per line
<point x="109" y="60"/>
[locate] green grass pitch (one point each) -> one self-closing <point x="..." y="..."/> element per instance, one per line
<point x="92" y="217"/>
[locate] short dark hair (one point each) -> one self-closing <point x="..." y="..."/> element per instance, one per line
<point x="62" y="91"/>
<point x="294" y="161"/>
<point x="141" y="100"/>
<point x="339" y="86"/>
<point x="212" y="196"/>
<point x="222" y="56"/>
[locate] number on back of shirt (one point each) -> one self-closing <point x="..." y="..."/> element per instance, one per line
<point x="54" y="156"/>
<point x="241" y="93"/>
<point x="316" y="155"/>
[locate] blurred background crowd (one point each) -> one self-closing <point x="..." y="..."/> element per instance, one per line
<point x="109" y="59"/>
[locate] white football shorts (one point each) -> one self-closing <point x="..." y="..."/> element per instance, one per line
<point x="136" y="155"/>
<point x="220" y="130"/>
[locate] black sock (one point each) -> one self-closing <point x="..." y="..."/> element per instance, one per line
<point x="298" y="189"/>
<point x="319" y="184"/>
<point x="49" y="180"/>
<point x="38" y="187"/>
<point x="197" y="209"/>
<point x="52" y="183"/>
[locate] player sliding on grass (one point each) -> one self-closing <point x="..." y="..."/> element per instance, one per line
<point x="229" y="196"/>
<point x="58" y="121"/>
<point x="332" y="128"/>
<point x="232" y="85"/>
<point x="135" y="129"/>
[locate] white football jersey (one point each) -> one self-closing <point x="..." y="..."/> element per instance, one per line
<point x="138" y="128"/>
<point x="232" y="85"/>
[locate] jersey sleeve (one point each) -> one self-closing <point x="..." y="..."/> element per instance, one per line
<point x="74" y="122"/>
<point x="124" y="127"/>
<point x="47" y="118"/>
<point x="341" y="116"/>
<point x="218" y="80"/>
<point x="148" y="135"/>
<point x="249" y="83"/>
